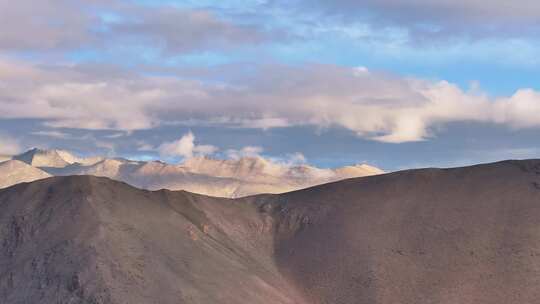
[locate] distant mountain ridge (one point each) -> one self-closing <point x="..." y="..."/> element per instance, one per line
<point x="15" y="171"/>
<point x="224" y="178"/>
<point x="53" y="158"/>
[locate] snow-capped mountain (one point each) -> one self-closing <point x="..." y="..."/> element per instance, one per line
<point x="224" y="178"/>
<point x="53" y="158"/>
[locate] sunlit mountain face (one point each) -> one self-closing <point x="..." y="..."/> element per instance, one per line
<point x="217" y="177"/>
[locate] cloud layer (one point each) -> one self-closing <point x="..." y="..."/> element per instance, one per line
<point x="374" y="105"/>
<point x="70" y="25"/>
<point x="436" y="19"/>
<point x="175" y="29"/>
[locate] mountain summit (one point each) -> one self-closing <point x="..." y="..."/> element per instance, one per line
<point x="53" y="158"/>
<point x="43" y="158"/>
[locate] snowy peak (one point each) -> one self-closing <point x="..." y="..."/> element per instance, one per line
<point x="107" y="167"/>
<point x="42" y="158"/>
<point x="250" y="167"/>
<point x="233" y="168"/>
<point x="72" y="159"/>
<point x="159" y="167"/>
<point x="53" y="158"/>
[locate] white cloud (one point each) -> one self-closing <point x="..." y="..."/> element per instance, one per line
<point x="374" y="105"/>
<point x="185" y="147"/>
<point x="9" y="146"/>
<point x="520" y="110"/>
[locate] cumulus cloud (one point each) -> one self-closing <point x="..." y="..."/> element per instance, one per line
<point x="374" y="105"/>
<point x="185" y="147"/>
<point x="9" y="145"/>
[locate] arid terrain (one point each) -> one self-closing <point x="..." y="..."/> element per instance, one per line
<point x="269" y="152"/>
<point x="466" y="235"/>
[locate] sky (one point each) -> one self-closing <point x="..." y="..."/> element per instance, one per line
<point x="396" y="84"/>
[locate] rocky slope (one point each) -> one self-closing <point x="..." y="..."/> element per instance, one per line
<point x="465" y="235"/>
<point x="85" y="239"/>
<point x="224" y="178"/>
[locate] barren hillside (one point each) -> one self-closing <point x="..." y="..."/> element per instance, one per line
<point x="465" y="235"/>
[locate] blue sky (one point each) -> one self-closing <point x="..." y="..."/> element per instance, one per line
<point x="398" y="84"/>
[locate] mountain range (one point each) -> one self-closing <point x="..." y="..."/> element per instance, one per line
<point x="464" y="235"/>
<point x="224" y="178"/>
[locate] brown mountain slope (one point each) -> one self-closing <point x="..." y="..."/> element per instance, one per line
<point x="93" y="240"/>
<point x="465" y="235"/>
